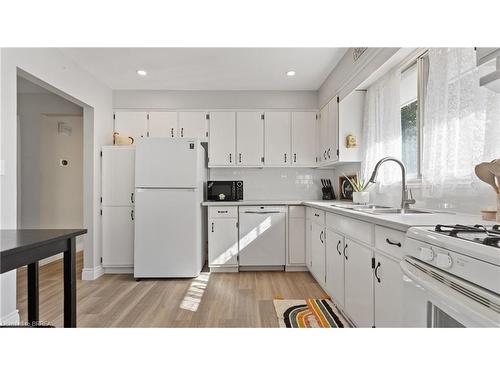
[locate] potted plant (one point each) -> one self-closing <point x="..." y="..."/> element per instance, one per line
<point x="360" y="186"/>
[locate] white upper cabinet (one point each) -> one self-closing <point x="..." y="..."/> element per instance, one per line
<point x="277" y="138"/>
<point x="323" y="135"/>
<point x="333" y="130"/>
<point x="163" y="124"/>
<point x="304" y="138"/>
<point x="131" y="124"/>
<point x="193" y="125"/>
<point x="250" y="138"/>
<point x="351" y="123"/>
<point x="222" y="139"/>
<point x="118" y="175"/>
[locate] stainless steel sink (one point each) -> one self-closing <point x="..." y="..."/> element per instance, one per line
<point x="399" y="211"/>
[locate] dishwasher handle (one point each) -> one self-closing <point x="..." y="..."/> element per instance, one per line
<point x="262" y="212"/>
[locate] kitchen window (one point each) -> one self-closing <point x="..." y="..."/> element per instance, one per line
<point x="412" y="89"/>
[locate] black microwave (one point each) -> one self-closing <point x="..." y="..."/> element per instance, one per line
<point x="225" y="190"/>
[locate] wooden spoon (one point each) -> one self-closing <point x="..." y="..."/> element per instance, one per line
<point x="483" y="172"/>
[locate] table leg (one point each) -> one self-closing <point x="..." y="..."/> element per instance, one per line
<point x="33" y="287"/>
<point x="70" y="284"/>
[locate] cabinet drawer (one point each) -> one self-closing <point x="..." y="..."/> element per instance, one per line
<point x="297" y="211"/>
<point x="389" y="240"/>
<point x="316" y="215"/>
<point x="223" y="212"/>
<point x="357" y="229"/>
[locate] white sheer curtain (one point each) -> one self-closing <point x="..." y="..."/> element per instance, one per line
<point x="461" y="121"/>
<point x="382" y="128"/>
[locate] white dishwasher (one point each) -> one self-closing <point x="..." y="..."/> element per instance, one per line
<point x="262" y="236"/>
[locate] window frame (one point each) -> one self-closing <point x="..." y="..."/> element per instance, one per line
<point x="420" y="60"/>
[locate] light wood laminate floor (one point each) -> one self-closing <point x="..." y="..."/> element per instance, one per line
<point x="242" y="299"/>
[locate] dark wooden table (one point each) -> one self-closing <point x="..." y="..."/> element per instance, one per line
<point x="26" y="247"/>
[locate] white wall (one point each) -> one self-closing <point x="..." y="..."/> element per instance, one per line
<point x="53" y="68"/>
<point x="275" y="183"/>
<point x="50" y="196"/>
<point x="164" y="99"/>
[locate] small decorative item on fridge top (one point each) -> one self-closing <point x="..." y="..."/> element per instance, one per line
<point x="120" y="140"/>
<point x="358" y="187"/>
<point x="350" y="141"/>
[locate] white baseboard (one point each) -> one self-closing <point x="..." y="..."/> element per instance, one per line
<point x="53" y="258"/>
<point x="10" y="319"/>
<point x="224" y="269"/>
<point x="294" y="268"/>
<point x="118" y="270"/>
<point x="92" y="273"/>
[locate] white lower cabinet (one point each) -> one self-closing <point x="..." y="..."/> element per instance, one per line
<point x="222" y="237"/>
<point x="117" y="238"/>
<point x="388" y="291"/>
<point x="335" y="266"/>
<point x="318" y="252"/>
<point x="296" y="236"/>
<point x="308" y="237"/>
<point x="358" y="283"/>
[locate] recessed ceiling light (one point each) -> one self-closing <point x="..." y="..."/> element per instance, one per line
<point x="290" y="73"/>
<point x="142" y="72"/>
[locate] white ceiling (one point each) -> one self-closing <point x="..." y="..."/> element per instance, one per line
<point x="208" y="68"/>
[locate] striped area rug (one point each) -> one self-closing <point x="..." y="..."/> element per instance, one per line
<point x="310" y="313"/>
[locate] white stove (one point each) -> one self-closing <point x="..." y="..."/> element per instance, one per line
<point x="452" y="276"/>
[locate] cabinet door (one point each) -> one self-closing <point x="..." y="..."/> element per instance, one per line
<point x="318" y="252"/>
<point x="249" y="138"/>
<point x="333" y="130"/>
<point x="163" y="124"/>
<point x="277" y="138"/>
<point x="335" y="266"/>
<point x="222" y="138"/>
<point x="296" y="241"/>
<point x="308" y="235"/>
<point x="117" y="237"/>
<point x="304" y="138"/>
<point x="323" y="134"/>
<point x="118" y="174"/>
<point x="358" y="283"/>
<point x="222" y="242"/>
<point x="388" y="279"/>
<point x="131" y="124"/>
<point x="193" y="125"/>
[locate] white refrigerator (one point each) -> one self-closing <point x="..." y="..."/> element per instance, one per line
<point x="169" y="188"/>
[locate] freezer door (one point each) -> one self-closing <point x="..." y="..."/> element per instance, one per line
<point x="167" y="241"/>
<point x="165" y="162"/>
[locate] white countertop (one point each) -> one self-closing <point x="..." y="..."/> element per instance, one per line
<point x="395" y="221"/>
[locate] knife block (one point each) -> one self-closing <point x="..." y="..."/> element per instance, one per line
<point x="328" y="193"/>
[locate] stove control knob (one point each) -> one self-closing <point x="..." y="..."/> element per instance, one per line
<point x="426" y="254"/>
<point x="443" y="261"/>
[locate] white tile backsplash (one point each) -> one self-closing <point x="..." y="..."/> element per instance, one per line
<point x="275" y="183"/>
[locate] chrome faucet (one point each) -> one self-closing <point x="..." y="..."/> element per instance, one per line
<point x="406" y="196"/>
